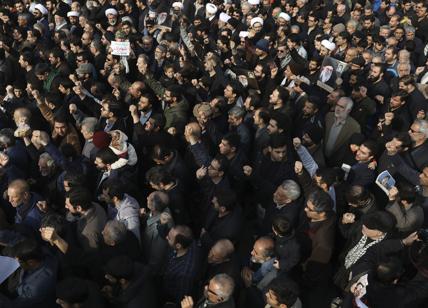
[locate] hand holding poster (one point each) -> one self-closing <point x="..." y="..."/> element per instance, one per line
<point x="331" y="70"/>
<point x="385" y="181"/>
<point x="122" y="49"/>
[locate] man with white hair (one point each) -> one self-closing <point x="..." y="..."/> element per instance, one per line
<point x="340" y="126"/>
<point x="218" y="293"/>
<point x="286" y="202"/>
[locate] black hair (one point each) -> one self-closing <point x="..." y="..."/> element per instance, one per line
<point x="233" y="140"/>
<point x="115" y="188"/>
<point x="284" y="291"/>
<point x="80" y="197"/>
<point x="72" y="290"/>
<point x="281" y="119"/>
<point x="281" y="225"/>
<point x="75" y="178"/>
<point x="321" y="201"/>
<point x="159" y="175"/>
<point x="328" y="176"/>
<point x="407" y="192"/>
<point x="226" y="198"/>
<point x="277" y="141"/>
<point x="120" y="267"/>
<point x="107" y="156"/>
<point x="27" y="249"/>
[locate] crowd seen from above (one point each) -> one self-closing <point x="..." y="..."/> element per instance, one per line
<point x="159" y="153"/>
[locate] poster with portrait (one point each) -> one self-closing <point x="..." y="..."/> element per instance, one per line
<point x="385" y="181"/>
<point x="331" y="69"/>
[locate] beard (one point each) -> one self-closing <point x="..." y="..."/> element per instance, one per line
<point x="372" y="78"/>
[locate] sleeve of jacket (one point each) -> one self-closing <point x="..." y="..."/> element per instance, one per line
<point x="406" y="220"/>
<point x="47" y="113"/>
<point x="307" y="160"/>
<point x="202" y="158"/>
<point x="155" y="85"/>
<point x="73" y="139"/>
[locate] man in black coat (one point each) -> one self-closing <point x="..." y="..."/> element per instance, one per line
<point x="224" y="219"/>
<point x="130" y="284"/>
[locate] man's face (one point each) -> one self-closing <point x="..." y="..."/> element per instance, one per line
<point x="389" y="55"/>
<point x="278" y="154"/>
<point x="167" y="97"/>
<point x="52" y="60"/>
<point x="60" y="128"/>
<point x="340" y="111"/>
<point x="234" y="120"/>
<point x="272" y="127"/>
<point x="395" y="102"/>
<point x="309" y="109"/>
<point x="44" y="169"/>
<point x="214" y="169"/>
<point x="15" y="197"/>
<point x="20" y="8"/>
<point x="258" y="72"/>
<point x="350" y="55"/>
<point x="257" y="254"/>
<point x="144" y="104"/>
<point x="69" y="207"/>
<point x="214" y="255"/>
<point x="363" y="154"/>
<point x="224" y="147"/>
<point x="86" y="133"/>
<point x="228" y="92"/>
<point x="105" y="112"/>
<point x="274" y="97"/>
<point x="280" y="197"/>
<point x="415" y="134"/>
<point x="42" y="77"/>
<point x="100" y="164"/>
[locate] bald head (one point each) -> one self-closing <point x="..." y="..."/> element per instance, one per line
<point x="157" y="201"/>
<point x="221" y="251"/>
<point x="263" y="250"/>
<point x="193" y="129"/>
<point x="18" y="192"/>
<point x="223" y="285"/>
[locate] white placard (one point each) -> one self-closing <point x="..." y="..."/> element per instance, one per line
<point x="122" y="49"/>
<point x="7" y="267"/>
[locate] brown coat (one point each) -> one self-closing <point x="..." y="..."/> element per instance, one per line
<point x="71" y="137"/>
<point x="349" y="128"/>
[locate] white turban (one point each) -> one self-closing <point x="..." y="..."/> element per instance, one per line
<point x="41" y="8"/>
<point x="284" y="16"/>
<point x="211" y="8"/>
<point x="111" y="11"/>
<point x="329" y="45"/>
<point x="256" y="20"/>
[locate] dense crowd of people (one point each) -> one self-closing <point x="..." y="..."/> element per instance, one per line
<point x="259" y="153"/>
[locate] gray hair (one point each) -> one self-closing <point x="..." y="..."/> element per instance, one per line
<point x="237" y="112"/>
<point x="410" y="29"/>
<point x="292" y="189"/>
<point x="225" y="284"/>
<point x="7" y="138"/>
<point x="116" y="230"/>
<point x="160" y="201"/>
<point x="90" y="124"/>
<point x="47" y="158"/>
<point x="423" y="126"/>
<point x="348" y="101"/>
